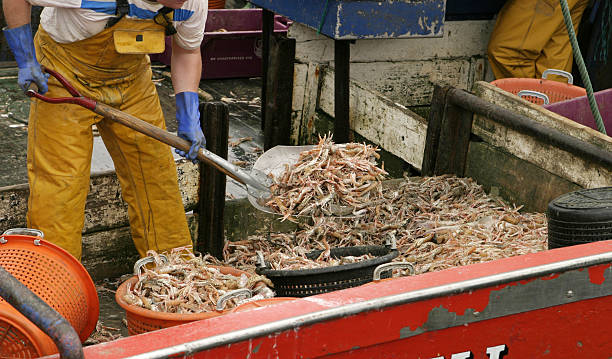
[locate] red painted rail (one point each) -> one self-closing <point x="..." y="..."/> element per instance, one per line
<point x="552" y="304"/>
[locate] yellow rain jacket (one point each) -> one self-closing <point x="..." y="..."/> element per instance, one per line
<point x="60" y="143"/>
<point x="530" y="37"/>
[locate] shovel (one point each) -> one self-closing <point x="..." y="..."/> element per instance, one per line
<point x="257" y="182"/>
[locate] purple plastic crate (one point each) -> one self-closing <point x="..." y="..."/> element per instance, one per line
<point x="232" y="43"/>
<point x="578" y="109"/>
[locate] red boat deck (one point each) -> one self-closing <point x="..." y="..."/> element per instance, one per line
<point x="555" y="304"/>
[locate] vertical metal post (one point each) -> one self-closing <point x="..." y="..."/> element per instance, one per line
<point x="267" y="18"/>
<point x="342" y="59"/>
<point x="214" y="118"/>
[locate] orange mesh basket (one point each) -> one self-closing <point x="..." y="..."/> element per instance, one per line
<point x="260" y="303"/>
<point x="141" y="320"/>
<point x="553" y="90"/>
<point x="57" y="278"/>
<point x="216" y="4"/>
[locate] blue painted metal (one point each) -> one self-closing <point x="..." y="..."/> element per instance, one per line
<point x="364" y="19"/>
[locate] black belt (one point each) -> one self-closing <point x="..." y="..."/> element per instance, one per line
<point x="123" y="8"/>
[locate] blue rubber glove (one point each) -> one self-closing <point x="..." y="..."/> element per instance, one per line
<point x="188" y="118"/>
<point x="21" y="43"/>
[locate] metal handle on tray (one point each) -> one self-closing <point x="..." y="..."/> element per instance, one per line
<point x="391" y="242"/>
<point x="146" y="260"/>
<point x="567" y="75"/>
<point x="391" y="266"/>
<point x="24" y="231"/>
<point x="242" y="292"/>
<point x="537" y="94"/>
<point x="261" y="260"/>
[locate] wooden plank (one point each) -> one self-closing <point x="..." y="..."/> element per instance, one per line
<point x="432" y="140"/>
<point x="267" y="34"/>
<point x="453" y="143"/>
<point x="535" y="112"/>
<point x="380" y="120"/>
<point x="300" y="77"/>
<point x="516" y="180"/>
<point x="461" y="40"/>
<point x="305" y="119"/>
<point x="215" y="123"/>
<point x="342" y="64"/>
<point x="404" y="70"/>
<point x="552" y="159"/>
<point x="279" y="92"/>
<point x="104" y="208"/>
<point x="109" y="254"/>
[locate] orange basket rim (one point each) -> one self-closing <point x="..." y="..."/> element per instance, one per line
<point x="74" y="266"/>
<point x="153" y="315"/>
<point x="261" y="303"/>
<point x="542" y="84"/>
<point x="41" y="342"/>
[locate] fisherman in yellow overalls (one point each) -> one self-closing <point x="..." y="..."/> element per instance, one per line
<point x="530" y="37"/>
<point x="88" y="42"/>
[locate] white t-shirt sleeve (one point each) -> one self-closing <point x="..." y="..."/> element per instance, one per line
<point x="190" y="30"/>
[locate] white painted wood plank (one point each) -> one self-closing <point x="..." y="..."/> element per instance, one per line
<point x="460" y="39"/>
<point x="380" y="120"/>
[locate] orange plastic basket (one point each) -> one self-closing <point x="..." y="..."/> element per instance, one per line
<point x="57" y="278"/>
<point x="260" y="303"/>
<point x="141" y="320"/>
<point x="542" y="91"/>
<point x="216" y="4"/>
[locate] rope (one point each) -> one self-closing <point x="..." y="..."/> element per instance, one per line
<point x="601" y="44"/>
<point x="581" y="66"/>
<point x="323" y="16"/>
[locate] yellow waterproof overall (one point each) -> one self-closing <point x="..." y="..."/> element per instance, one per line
<point x="60" y="143"/>
<point x="530" y="37"/>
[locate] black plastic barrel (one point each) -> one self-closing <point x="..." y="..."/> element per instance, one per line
<point x="580" y="217"/>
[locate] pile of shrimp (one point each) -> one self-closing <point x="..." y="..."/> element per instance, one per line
<point x="186" y="283"/>
<point x="437" y="222"/>
<point x="330" y="179"/>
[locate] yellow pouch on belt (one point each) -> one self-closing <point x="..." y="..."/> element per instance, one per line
<point x="146" y="41"/>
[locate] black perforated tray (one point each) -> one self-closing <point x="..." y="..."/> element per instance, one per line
<point x="306" y="282"/>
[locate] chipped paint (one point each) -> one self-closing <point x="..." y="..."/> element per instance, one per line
<point x="597" y="275"/>
<point x="366" y="19"/>
<point x="527" y="295"/>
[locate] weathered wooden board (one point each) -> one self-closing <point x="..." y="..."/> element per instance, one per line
<point x="552" y="159"/>
<point x="461" y="39"/>
<point x="380" y="120"/>
<point x="411" y="83"/>
<point x="305" y="96"/>
<point x="105" y="208"/>
<point x="516" y="180"/>
<point x="404" y="70"/>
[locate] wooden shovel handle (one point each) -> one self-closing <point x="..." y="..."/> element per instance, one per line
<point x="161" y="135"/>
